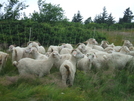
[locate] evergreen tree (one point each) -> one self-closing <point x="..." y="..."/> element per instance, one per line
<point x="104" y="15"/>
<point x="88" y="20"/>
<point x="127" y="16"/>
<point x="77" y="18"/>
<point x="97" y="19"/>
<point x="102" y="18"/>
<point x="110" y="20"/>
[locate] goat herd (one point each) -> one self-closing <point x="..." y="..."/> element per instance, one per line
<point x="34" y="59"/>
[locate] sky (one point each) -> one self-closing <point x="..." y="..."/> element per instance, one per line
<point x="87" y="8"/>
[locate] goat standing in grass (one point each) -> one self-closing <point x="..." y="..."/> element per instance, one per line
<point x="37" y="67"/>
<point x="68" y="67"/>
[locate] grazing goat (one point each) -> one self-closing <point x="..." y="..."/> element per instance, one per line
<point x="37" y="67"/>
<point x="68" y="68"/>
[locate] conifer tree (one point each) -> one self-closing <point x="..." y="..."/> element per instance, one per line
<point x="77" y="17"/>
<point x="127" y="18"/>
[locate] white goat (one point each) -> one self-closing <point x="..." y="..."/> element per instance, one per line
<point x="3" y="59"/>
<point x="65" y="51"/>
<point x="52" y="48"/>
<point x="117" y="60"/>
<point x="85" y="49"/>
<point x="99" y="61"/>
<point x="85" y="63"/>
<point x="127" y="43"/>
<point x="124" y="50"/>
<point x="64" y="57"/>
<point x="37" y="55"/>
<point x="67" y="45"/>
<point x="37" y="67"/>
<point x="117" y="48"/>
<point x="68" y="68"/>
<point x="109" y="49"/>
<point x="104" y="44"/>
<point x="94" y="44"/>
<point x="18" y="52"/>
<point x="41" y="49"/>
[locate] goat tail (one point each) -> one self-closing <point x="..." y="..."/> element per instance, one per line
<point x="68" y="70"/>
<point x="15" y="63"/>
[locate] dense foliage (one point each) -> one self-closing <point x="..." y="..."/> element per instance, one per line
<point x="19" y="32"/>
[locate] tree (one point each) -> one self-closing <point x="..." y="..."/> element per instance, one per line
<point x="110" y="20"/>
<point x="12" y="9"/>
<point x="104" y="15"/>
<point x="48" y="12"/>
<point x="97" y="19"/>
<point x="88" y="20"/>
<point x="102" y="18"/>
<point x="77" y="18"/>
<point x="127" y="16"/>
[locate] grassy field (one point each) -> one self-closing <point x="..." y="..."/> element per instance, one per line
<point x="103" y="85"/>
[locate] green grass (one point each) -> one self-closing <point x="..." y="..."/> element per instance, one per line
<point x="95" y="86"/>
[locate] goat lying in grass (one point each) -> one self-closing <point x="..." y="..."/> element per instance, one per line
<point x="37" y="67"/>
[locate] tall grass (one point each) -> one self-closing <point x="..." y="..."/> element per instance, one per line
<point x="94" y="86"/>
